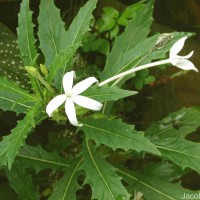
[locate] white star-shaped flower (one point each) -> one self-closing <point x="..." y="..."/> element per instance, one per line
<point x="71" y="96"/>
<point x="181" y="61"/>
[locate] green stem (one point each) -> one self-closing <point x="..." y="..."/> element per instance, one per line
<point x="40" y="78"/>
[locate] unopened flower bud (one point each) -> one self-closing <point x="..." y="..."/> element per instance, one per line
<point x="32" y="71"/>
<point x="43" y="69"/>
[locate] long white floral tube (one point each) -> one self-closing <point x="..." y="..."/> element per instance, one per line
<point x="176" y="60"/>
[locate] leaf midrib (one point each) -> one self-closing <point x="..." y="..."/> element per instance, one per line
<point x="51" y="29"/>
<point x="27" y="36"/>
<point x="83" y="20"/>
<point x="21" y="131"/>
<point x="176" y="151"/>
<point x="18" y="91"/>
<point x="43" y="160"/>
<point x="71" y="177"/>
<point x="118" y="135"/>
<point x="98" y="170"/>
<point x="21" y="104"/>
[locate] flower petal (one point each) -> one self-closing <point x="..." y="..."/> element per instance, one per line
<point x="189" y="55"/>
<point x="55" y="103"/>
<point x="186" y="57"/>
<point x="68" y="81"/>
<point x="176" y="48"/>
<point x="87" y="102"/>
<point x="83" y="85"/>
<point x="184" y="64"/>
<point x="71" y="112"/>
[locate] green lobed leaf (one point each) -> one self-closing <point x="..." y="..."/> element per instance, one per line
<point x="106" y="93"/>
<point x="116" y="134"/>
<point x="51" y="31"/>
<point x="57" y="66"/>
<point x="164" y="170"/>
<point x="102" y="177"/>
<point x="152" y="186"/>
<point x="39" y="159"/>
<point x="14" y="98"/>
<point x="21" y="182"/>
<point x="80" y="24"/>
<point x="3" y="147"/>
<point x="177" y="124"/>
<point x="26" y="40"/>
<point x="137" y="31"/>
<point x="12" y="143"/>
<point x="182" y="152"/>
<point x="74" y="36"/>
<point x="67" y="186"/>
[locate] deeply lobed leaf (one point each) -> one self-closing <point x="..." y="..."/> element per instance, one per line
<point x="116" y="134"/>
<point x="39" y="159"/>
<point x="26" y="40"/>
<point x="102" y="177"/>
<point x="59" y="65"/>
<point x="21" y="182"/>
<point x="51" y="31"/>
<point x="80" y="24"/>
<point x="152" y="186"/>
<point x="72" y="41"/>
<point x="107" y="93"/>
<point x="178" y="124"/>
<point x="181" y="152"/>
<point x="136" y="31"/>
<point x="12" y="97"/>
<point x="67" y="186"/>
<point x="12" y="143"/>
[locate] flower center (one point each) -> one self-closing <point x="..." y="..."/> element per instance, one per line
<point x="69" y="94"/>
